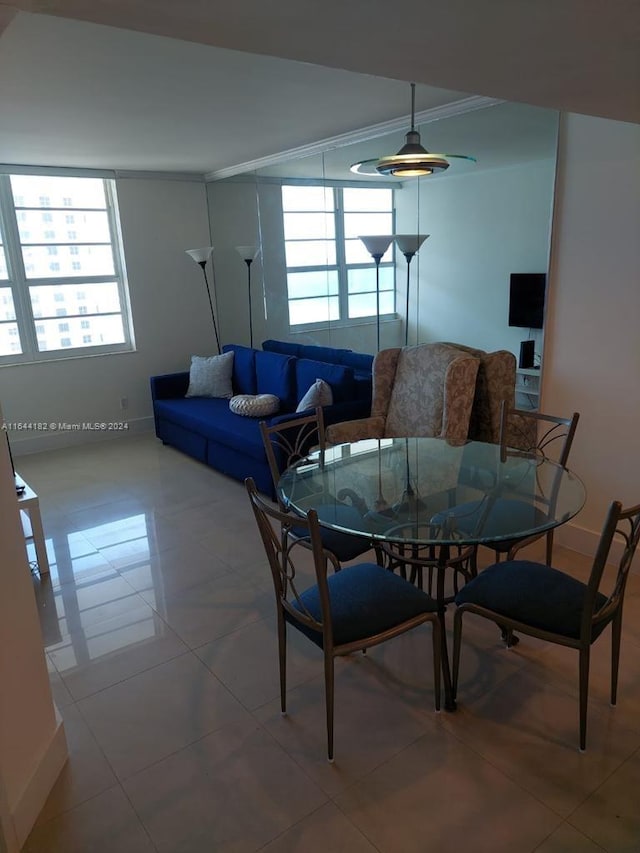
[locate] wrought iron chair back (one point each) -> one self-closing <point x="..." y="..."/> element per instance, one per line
<point x="499" y="594"/>
<point x="544" y="436"/>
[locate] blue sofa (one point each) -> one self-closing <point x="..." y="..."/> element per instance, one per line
<point x="206" y="429"/>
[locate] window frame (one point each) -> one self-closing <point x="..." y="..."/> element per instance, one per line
<point x="19" y="284"/>
<point x="341" y="266"/>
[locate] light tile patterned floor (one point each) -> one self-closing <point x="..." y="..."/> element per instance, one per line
<point x="158" y="624"/>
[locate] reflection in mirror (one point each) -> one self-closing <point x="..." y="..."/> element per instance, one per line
<point x="315" y="281"/>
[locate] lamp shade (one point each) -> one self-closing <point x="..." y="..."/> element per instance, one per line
<point x="200" y="256"/>
<point x="247" y="253"/>
<point x="411" y="162"/>
<point x="409" y="244"/>
<point x="376" y="244"/>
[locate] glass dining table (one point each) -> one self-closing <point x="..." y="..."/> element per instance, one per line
<point x="426" y="502"/>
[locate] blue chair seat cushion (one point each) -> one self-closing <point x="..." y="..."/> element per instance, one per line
<point x="345" y="546"/>
<point x="365" y="600"/>
<point x="533" y="594"/>
<point x="506" y="516"/>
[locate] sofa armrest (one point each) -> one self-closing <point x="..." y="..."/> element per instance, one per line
<point x="169" y="385"/>
<point x="348" y="431"/>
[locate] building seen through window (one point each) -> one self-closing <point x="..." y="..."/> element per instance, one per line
<point x="48" y="271"/>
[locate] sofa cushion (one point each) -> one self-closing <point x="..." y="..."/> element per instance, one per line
<point x="244" y="368"/>
<point x="339" y="377"/>
<point x="361" y="362"/>
<point x="329" y="354"/>
<point x="285" y="347"/>
<point x="211" y="376"/>
<point x="319" y="394"/>
<point x="254" y="405"/>
<point x="213" y="419"/>
<point x="275" y="374"/>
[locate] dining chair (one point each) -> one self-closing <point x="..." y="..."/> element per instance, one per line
<point x="343" y="612"/>
<point x="541" y="601"/>
<point x="291" y="441"/>
<point x="529" y="433"/>
<point x="547" y="437"/>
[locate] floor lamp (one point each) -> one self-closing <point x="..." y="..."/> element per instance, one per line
<point x="409" y="244"/>
<point x="377" y="245"/>
<point x="201" y="256"/>
<point x="248" y="255"/>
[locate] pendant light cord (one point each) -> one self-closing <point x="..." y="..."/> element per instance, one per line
<point x="413" y="106"/>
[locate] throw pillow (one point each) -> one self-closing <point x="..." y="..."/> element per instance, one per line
<point x="319" y="394"/>
<point x="254" y="405"/>
<point x="211" y="377"/>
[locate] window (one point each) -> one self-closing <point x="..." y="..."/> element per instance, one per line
<point x="63" y="327"/>
<point x="330" y="274"/>
<point x="44" y="264"/>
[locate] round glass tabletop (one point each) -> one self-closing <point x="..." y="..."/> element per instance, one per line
<point x="429" y="490"/>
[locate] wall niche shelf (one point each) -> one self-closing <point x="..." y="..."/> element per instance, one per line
<point x="527" y="387"/>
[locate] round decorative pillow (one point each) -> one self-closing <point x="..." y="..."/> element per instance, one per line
<point x="254" y="405"/>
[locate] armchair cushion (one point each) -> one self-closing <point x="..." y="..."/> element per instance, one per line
<point x="348" y="431"/>
<point x="432" y="392"/>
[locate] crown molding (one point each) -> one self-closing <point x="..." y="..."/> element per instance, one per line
<point x="465" y="105"/>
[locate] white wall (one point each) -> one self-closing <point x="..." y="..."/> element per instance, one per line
<point x="171" y="318"/>
<point x="482" y="226"/>
<point x="592" y="348"/>
<point x="32" y="742"/>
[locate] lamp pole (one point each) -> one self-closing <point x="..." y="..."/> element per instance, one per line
<point x="409" y="244"/>
<point x="201" y="256"/>
<point x="377" y="245"/>
<point x="248" y="253"/>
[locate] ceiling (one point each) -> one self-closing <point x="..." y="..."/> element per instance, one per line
<point x="204" y="86"/>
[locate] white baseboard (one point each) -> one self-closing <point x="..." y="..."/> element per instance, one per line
<point x="586" y="541"/>
<point x="30" y="804"/>
<point x="37" y="442"/>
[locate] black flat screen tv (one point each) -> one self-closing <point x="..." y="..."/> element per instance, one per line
<point x="526" y="299"/>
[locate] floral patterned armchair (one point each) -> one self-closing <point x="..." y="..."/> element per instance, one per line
<point x="425" y="390"/>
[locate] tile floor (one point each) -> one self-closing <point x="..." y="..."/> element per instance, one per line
<point x="158" y="625"/>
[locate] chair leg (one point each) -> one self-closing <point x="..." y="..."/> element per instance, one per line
<point x="584" y="693"/>
<point x="473" y="562"/>
<point x="549" y="547"/>
<point x="328" y="694"/>
<point x="282" y="655"/>
<point x="457" y="636"/>
<point x="616" y="631"/>
<point x="509" y="638"/>
<point x="437" y="660"/>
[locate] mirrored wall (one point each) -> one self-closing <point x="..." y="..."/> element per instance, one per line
<point x="314" y="281"/>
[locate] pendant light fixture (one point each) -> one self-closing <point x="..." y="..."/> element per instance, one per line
<point x="412" y="160"/>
